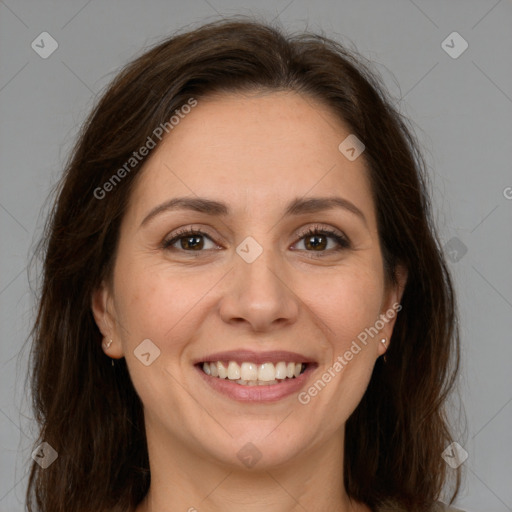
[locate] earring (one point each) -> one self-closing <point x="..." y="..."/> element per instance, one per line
<point x="107" y="346"/>
<point x="383" y="340"/>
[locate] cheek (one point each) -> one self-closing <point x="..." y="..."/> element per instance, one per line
<point x="152" y="306"/>
<point x="161" y="304"/>
<point x="348" y="302"/>
<point x="150" y="300"/>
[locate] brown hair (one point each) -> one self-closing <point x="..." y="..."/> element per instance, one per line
<point x="90" y="412"/>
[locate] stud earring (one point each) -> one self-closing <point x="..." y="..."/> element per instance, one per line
<point x="107" y="345"/>
<point x="383" y="340"/>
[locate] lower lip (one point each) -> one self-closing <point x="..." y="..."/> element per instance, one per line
<point x="264" y="393"/>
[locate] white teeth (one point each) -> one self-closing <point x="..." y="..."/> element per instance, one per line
<point x="255" y="382"/>
<point x="266" y="372"/>
<point x="267" y="383"/>
<point x="281" y="372"/>
<point x="249" y="371"/>
<point x="252" y="374"/>
<point x="221" y="370"/>
<point x="233" y="371"/>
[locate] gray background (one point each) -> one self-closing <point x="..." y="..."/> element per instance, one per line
<point x="461" y="109"/>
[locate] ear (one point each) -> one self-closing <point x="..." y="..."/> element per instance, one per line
<point x="391" y="306"/>
<point x="102" y="306"/>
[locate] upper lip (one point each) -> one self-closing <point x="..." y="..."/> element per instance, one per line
<point x="240" y="356"/>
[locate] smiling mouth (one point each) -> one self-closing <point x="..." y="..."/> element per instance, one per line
<point x="253" y="374"/>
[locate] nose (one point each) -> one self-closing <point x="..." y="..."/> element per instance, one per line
<point x="260" y="294"/>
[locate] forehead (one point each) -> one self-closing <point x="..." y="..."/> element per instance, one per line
<point x="257" y="149"/>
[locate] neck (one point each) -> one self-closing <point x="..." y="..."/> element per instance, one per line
<point x="188" y="481"/>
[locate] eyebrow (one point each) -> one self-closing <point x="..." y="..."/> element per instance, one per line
<point x="298" y="206"/>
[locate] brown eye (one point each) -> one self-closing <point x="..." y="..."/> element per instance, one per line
<point x="189" y="241"/>
<point x="192" y="242"/>
<point x="317" y="240"/>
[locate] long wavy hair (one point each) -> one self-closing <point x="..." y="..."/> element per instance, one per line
<point x="90" y="412"/>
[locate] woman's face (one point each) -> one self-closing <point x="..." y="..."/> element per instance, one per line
<point x="253" y="285"/>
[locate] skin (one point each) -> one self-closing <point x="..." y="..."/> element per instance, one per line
<point x="255" y="152"/>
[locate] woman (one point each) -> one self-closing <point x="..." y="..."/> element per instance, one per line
<point x="244" y="228"/>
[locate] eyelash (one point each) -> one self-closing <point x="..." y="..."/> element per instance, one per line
<point x="342" y="241"/>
